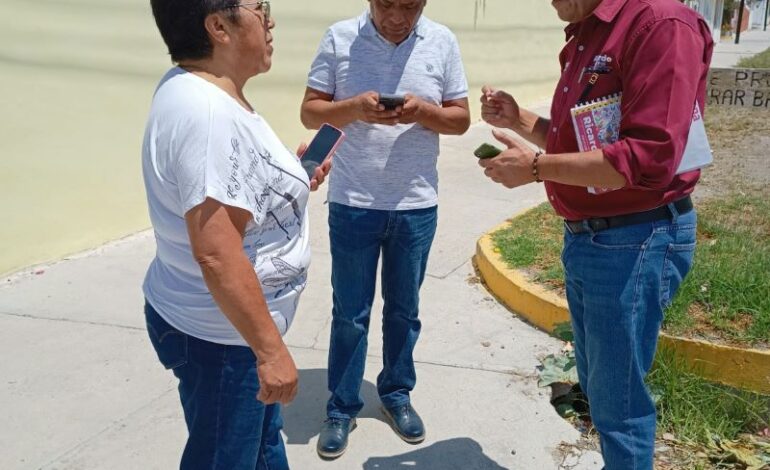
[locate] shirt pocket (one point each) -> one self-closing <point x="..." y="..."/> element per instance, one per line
<point x="606" y="84"/>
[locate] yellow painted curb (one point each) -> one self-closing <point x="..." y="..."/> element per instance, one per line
<point x="742" y="368"/>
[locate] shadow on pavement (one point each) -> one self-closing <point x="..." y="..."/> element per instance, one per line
<point x="461" y="453"/>
<point x="304" y="416"/>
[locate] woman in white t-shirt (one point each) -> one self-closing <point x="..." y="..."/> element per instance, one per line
<point x="227" y="202"/>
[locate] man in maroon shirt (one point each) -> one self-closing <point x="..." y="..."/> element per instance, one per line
<point x="626" y="251"/>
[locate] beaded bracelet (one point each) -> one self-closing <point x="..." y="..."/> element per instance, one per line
<point x="535" y="173"/>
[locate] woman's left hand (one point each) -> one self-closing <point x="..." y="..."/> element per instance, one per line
<point x="321" y="172"/>
<point x="301" y="150"/>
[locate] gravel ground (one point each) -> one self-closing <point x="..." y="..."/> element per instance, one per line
<point x="741" y="142"/>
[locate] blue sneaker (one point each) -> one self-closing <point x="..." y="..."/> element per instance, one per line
<point x="406" y="422"/>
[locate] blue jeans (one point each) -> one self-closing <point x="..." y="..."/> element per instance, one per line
<point x="228" y="428"/>
<point x="619" y="281"/>
<point x="358" y="236"/>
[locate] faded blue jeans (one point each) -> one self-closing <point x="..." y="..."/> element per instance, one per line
<point x="619" y="281"/>
<point x="228" y="428"/>
<point x="358" y="237"/>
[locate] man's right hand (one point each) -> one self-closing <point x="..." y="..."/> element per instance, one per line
<point x="499" y="109"/>
<point x="371" y="111"/>
<point x="278" y="378"/>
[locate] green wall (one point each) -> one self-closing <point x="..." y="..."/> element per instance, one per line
<point x="77" y="77"/>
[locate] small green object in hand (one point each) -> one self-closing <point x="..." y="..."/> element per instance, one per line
<point x="487" y="151"/>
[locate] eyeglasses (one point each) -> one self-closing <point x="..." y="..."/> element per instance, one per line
<point x="263" y="5"/>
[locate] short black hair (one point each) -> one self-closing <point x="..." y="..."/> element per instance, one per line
<point x="180" y="23"/>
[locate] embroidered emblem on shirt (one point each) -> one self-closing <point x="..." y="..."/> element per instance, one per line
<point x="601" y="64"/>
<point x="429" y="68"/>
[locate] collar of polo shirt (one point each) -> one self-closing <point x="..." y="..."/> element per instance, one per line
<point x="367" y="27"/>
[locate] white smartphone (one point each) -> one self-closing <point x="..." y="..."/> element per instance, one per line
<point x="325" y="142"/>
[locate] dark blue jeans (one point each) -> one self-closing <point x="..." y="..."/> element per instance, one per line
<point x="228" y="428"/>
<point x="619" y="282"/>
<point x="358" y="237"/>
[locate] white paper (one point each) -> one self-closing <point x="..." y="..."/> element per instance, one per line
<point x="697" y="153"/>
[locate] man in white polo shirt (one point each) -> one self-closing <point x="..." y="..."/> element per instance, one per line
<point x="382" y="193"/>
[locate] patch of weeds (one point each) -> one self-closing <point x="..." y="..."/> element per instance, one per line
<point x="725" y="297"/>
<point x="700" y="424"/>
<point x="695" y="410"/>
<point x="533" y="241"/>
<point x="727" y="293"/>
<point x="759" y="61"/>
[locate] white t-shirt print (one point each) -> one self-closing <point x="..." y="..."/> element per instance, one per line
<point x="200" y="143"/>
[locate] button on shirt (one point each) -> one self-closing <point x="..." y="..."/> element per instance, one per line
<point x="657" y="54"/>
<point x="387" y="167"/>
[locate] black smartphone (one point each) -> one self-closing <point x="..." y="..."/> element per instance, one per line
<point x="391" y="102"/>
<point x="325" y="142"/>
<point x="486" y="151"/>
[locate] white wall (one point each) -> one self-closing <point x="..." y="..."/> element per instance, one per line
<point x="711" y="11"/>
<point x="758" y="15"/>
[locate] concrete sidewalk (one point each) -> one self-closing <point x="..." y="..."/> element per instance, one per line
<point x="81" y="388"/>
<point x="727" y="53"/>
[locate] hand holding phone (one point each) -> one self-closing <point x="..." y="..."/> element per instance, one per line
<point x="369" y="110"/>
<point x="325" y="142"/>
<point x="486" y="151"/>
<point x="412" y="108"/>
<point x="391" y="102"/>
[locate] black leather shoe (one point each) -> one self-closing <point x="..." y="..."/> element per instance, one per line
<point x="333" y="440"/>
<point x="406" y="422"/>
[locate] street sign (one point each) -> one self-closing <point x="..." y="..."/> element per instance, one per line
<point x="742" y="88"/>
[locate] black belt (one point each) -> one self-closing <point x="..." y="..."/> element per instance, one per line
<point x="682" y="206"/>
